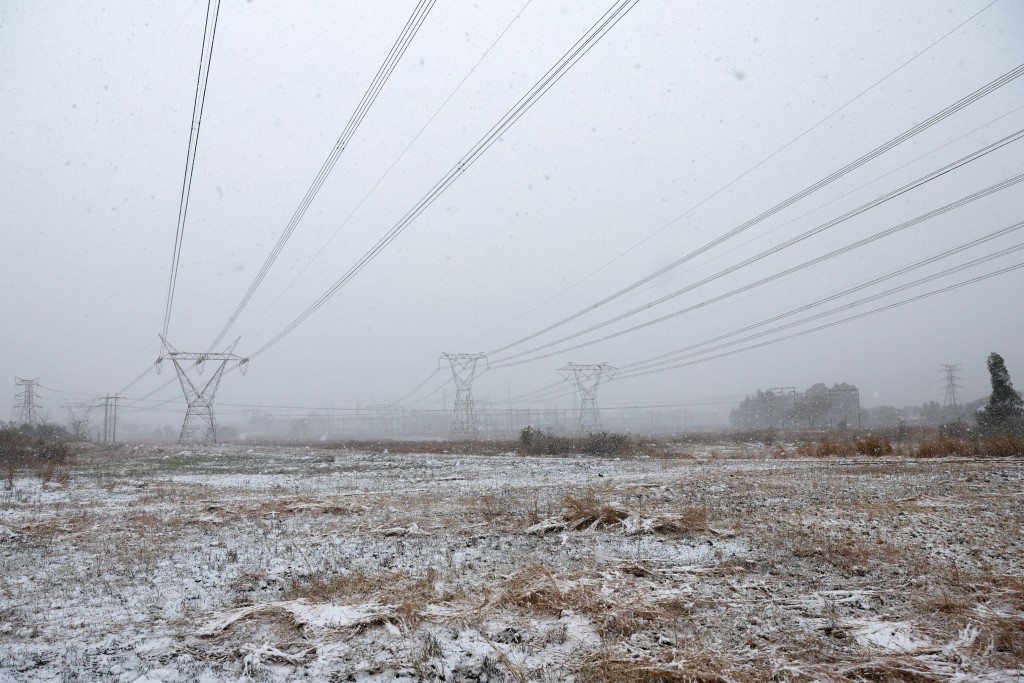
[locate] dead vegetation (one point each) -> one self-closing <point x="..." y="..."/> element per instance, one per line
<point x="828" y="447"/>
<point x="989" y="447"/>
<point x="534" y="441"/>
<point x="590" y="512"/>
<point x="927" y="446"/>
<point x="490" y="568"/>
<point x="605" y="668"/>
<point x="535" y="588"/>
<point x="44" y="452"/>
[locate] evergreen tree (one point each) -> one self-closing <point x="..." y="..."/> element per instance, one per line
<point x="1005" y="409"/>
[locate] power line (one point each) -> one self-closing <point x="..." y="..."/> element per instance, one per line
<point x="747" y="172"/>
<point x="390" y="168"/>
<point x="649" y="363"/>
<point x="509" y="360"/>
<point x="401" y="45"/>
<point x="149" y="369"/>
<point x="987" y="89"/>
<point x="834" y="323"/>
<point x="426" y="397"/>
<point x="659" y="359"/>
<point x="419" y="386"/>
<point x="209" y="29"/>
<point x="607" y="21"/>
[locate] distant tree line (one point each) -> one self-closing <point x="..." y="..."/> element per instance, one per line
<point x="819" y="407"/>
<point x="838" y="407"/>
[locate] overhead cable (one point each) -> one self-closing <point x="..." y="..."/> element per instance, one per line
<point x="887" y="307"/>
<point x="672" y="356"/>
<point x="209" y="34"/>
<point x="412" y="26"/>
<point x="745" y="173"/>
<point x="987" y="89"/>
<point x="511" y="360"/>
<point x="608" y="20"/>
<point x="394" y="163"/>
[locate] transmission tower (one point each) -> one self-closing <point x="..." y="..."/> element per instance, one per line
<point x="463" y="367"/>
<point x="199" y="418"/>
<point x="588" y="378"/>
<point x="78" y="419"/>
<point x="25" y="401"/>
<point x="951" y="403"/>
<point x="109" y="434"/>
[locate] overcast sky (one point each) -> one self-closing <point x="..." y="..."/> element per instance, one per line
<point x="675" y="102"/>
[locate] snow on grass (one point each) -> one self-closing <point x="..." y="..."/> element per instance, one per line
<point x="303" y="614"/>
<point x="281" y="563"/>
<point x="892" y="636"/>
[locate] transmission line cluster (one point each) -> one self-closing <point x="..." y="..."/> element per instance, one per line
<point x="671" y="360"/>
<point x="532" y="347"/>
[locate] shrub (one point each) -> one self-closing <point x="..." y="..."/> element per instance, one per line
<point x="992" y="447"/>
<point x="831" y="447"/>
<point x="537" y="442"/>
<point x="15" y="446"/>
<point x="38" y="447"/>
<point x="873" y="445"/>
<point x="827" y="448"/>
<point x="605" y="443"/>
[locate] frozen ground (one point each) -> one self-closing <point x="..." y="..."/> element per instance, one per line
<point x="273" y="564"/>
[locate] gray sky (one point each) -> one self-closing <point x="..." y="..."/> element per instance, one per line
<point x="676" y="101"/>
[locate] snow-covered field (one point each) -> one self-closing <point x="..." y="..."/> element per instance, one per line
<point x="267" y="564"/>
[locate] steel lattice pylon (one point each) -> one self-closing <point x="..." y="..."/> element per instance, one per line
<point x="28" y="411"/>
<point x="951" y="403"/>
<point x="588" y="378"/>
<point x="199" y="417"/>
<point x="78" y="419"/>
<point x="463" y="367"/>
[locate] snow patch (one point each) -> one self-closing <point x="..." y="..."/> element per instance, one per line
<point x="890" y="636"/>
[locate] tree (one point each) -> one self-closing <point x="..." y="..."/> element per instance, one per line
<point x="1005" y="409"/>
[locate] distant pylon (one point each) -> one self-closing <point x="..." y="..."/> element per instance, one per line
<point x="109" y="435"/>
<point x="78" y="419"/>
<point x="951" y="403"/>
<point x="588" y="378"/>
<point x="25" y="401"/>
<point x="463" y="367"/>
<point x="199" y="419"/>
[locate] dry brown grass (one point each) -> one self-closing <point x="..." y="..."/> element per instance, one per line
<point x="833" y="446"/>
<point x="613" y="616"/>
<point x="1006" y="634"/>
<point x="534" y="588"/>
<point x="603" y="667"/>
<point x="944" y="603"/>
<point x="993" y="447"/>
<point x="892" y="670"/>
<point x="690" y="520"/>
<point x="590" y="512"/>
<point x="847" y="552"/>
<point x="408" y="593"/>
<point x="873" y="445"/>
